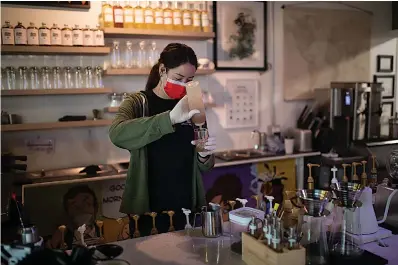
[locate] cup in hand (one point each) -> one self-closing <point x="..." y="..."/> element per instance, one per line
<point x="201" y="136"/>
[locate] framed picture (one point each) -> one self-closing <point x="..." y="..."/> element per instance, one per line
<point x="385" y="63"/>
<point x="60" y="4"/>
<point x="388" y="82"/>
<point x="240" y="35"/>
<point x="388" y="109"/>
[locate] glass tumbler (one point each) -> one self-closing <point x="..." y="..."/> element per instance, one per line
<point x="34" y="78"/>
<point x="128" y="55"/>
<point x="57" y="81"/>
<point x="201" y="136"/>
<point x="45" y="78"/>
<point x="3" y="73"/>
<point x="115" y="56"/>
<point x="88" y="76"/>
<point x="98" y="77"/>
<point x="78" y="77"/>
<point x="10" y="78"/>
<point x="23" y="77"/>
<point x="67" y="77"/>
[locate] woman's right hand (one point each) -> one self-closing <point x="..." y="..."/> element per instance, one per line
<point x="181" y="113"/>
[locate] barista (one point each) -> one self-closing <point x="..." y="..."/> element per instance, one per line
<point x="154" y="126"/>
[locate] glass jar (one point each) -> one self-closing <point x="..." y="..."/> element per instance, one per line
<point x="57" y="81"/>
<point x="98" y="77"/>
<point x="67" y="78"/>
<point x="115" y="100"/>
<point x="128" y="55"/>
<point x="56" y="35"/>
<point x="88" y="36"/>
<point x="153" y="54"/>
<point x="10" y="78"/>
<point x="88" y="75"/>
<point x="77" y="34"/>
<point x="7" y="34"/>
<point x="45" y="78"/>
<point x="44" y="35"/>
<point x="20" y="34"/>
<point x="34" y="79"/>
<point x="142" y="55"/>
<point x="3" y="73"/>
<point x="115" y="55"/>
<point x="23" y="77"/>
<point x="78" y="77"/>
<point x="33" y="34"/>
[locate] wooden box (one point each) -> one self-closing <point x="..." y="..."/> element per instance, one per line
<point x="255" y="252"/>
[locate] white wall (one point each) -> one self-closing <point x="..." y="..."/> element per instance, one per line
<point x="75" y="147"/>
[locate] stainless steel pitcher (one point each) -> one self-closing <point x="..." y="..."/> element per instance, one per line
<point x="211" y="219"/>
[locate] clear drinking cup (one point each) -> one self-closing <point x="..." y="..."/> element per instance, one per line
<point x="201" y="136"/>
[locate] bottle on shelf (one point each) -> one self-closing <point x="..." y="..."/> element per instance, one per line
<point x="158" y="14"/>
<point x="196" y="17"/>
<point x="153" y="54"/>
<point x="56" y="35"/>
<point x="148" y="15"/>
<point x="7" y="34"/>
<point x="204" y="17"/>
<point x="115" y="56"/>
<point x="167" y="16"/>
<point x="139" y="16"/>
<point x="142" y="55"/>
<point x="128" y="15"/>
<point x="77" y="39"/>
<point x="187" y="17"/>
<point x="20" y="34"/>
<point x="33" y="34"/>
<point x="99" y="39"/>
<point x="107" y="14"/>
<point x="117" y="15"/>
<point x="67" y="36"/>
<point x="44" y="35"/>
<point x="88" y="36"/>
<point x="177" y="16"/>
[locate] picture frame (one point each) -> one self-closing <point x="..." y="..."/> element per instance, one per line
<point x="236" y="48"/>
<point x="388" y="82"/>
<point x="388" y="109"/>
<point x="385" y="63"/>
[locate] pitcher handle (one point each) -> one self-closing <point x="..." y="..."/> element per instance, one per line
<point x="194" y="220"/>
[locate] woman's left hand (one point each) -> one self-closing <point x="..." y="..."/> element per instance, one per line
<point x="210" y="147"/>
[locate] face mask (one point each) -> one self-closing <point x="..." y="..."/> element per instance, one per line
<point x="175" y="89"/>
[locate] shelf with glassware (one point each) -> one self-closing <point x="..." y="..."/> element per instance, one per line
<point x="53" y="125"/>
<point x="64" y="50"/>
<point x="66" y="91"/>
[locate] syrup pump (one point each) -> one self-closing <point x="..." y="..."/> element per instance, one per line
<point x="100" y="224"/>
<point x="345" y="178"/>
<point x="62" y="229"/>
<point x="373" y="173"/>
<point x="136" y="231"/>
<point x="187" y="212"/>
<point x="364" y="177"/>
<point x="232" y="203"/>
<point x="257" y="198"/>
<point x="170" y="213"/>
<point x="310" y="180"/>
<point x="355" y="177"/>
<point x="242" y="201"/>
<point x="154" y="230"/>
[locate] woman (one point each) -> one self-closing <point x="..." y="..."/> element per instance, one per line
<point x="154" y="126"/>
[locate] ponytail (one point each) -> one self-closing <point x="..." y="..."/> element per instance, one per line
<point x="154" y="78"/>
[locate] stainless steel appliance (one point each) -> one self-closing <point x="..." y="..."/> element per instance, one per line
<point x="302" y="140"/>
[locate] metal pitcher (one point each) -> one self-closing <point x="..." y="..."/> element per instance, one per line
<point x="211" y="220"/>
<point x="29" y="234"/>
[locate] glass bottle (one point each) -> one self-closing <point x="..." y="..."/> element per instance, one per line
<point x="196" y="20"/>
<point x="107" y="14"/>
<point x="33" y="34"/>
<point x="56" y="35"/>
<point x="98" y="77"/>
<point x="99" y="39"/>
<point x="204" y="17"/>
<point x="128" y="55"/>
<point x="77" y="39"/>
<point x="142" y="56"/>
<point x="153" y="54"/>
<point x="88" y="36"/>
<point x="57" y="81"/>
<point x="139" y="16"/>
<point x="67" y="78"/>
<point x="148" y="15"/>
<point x="7" y="34"/>
<point x="115" y="55"/>
<point x="117" y="15"/>
<point x="10" y="78"/>
<point x="187" y="17"/>
<point x="44" y="35"/>
<point x="89" y="79"/>
<point x="67" y="36"/>
<point x="177" y="16"/>
<point x="3" y="74"/>
<point x="20" y="34"/>
<point x="168" y="16"/>
<point x="78" y="77"/>
<point x="158" y="14"/>
<point x="23" y="77"/>
<point x="128" y="14"/>
<point x="34" y="78"/>
<point x="45" y="78"/>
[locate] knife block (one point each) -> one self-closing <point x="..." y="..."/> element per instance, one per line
<point x="255" y="252"/>
<point x="195" y="101"/>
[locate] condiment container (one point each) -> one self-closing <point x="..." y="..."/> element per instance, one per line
<point x="20" y="34"/>
<point x="7" y="34"/>
<point x="44" y="35"/>
<point x="33" y="34"/>
<point x="56" y="35"/>
<point x="77" y="36"/>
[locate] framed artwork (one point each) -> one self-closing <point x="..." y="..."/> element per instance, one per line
<point x="385" y="63"/>
<point x="242" y="111"/>
<point x="388" y="109"/>
<point x="240" y="35"/>
<point x="60" y="4"/>
<point x="388" y="82"/>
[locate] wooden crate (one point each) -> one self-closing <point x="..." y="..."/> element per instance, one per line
<point x="255" y="252"/>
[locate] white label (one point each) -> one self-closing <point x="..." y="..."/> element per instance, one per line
<point x="112" y="192"/>
<point x="159" y="14"/>
<point x="44" y="37"/>
<point x="139" y="16"/>
<point x="67" y="38"/>
<point x="205" y="20"/>
<point x="159" y="20"/>
<point x="118" y="15"/>
<point x="33" y="38"/>
<point x="196" y="20"/>
<point x="168" y="18"/>
<point x="108" y="15"/>
<point x="177" y="18"/>
<point x="148" y="19"/>
<point x="77" y="37"/>
<point x="56" y="37"/>
<point x="99" y="38"/>
<point x="88" y="38"/>
<point x="7" y="36"/>
<point x="187" y="20"/>
<point x="20" y="36"/>
<point x="128" y="16"/>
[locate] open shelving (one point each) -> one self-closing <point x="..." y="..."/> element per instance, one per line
<point x="61" y="50"/>
<point x="146" y="71"/>
<point x="61" y="91"/>
<point x="156" y="34"/>
<point x="53" y="125"/>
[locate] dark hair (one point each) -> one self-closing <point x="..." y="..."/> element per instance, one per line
<point x="174" y="55"/>
<point x="74" y="191"/>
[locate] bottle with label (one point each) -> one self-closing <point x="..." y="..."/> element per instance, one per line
<point x="107" y="14"/>
<point x="196" y="21"/>
<point x="148" y="16"/>
<point x="7" y="34"/>
<point x="187" y="17"/>
<point x="128" y="15"/>
<point x="77" y="39"/>
<point x="117" y="15"/>
<point x="20" y="34"/>
<point x="139" y="16"/>
<point x="168" y="16"/>
<point x="44" y="35"/>
<point x="177" y="16"/>
<point x="67" y="36"/>
<point x="99" y="37"/>
<point x="158" y="13"/>
<point x="204" y="16"/>
<point x="33" y="34"/>
<point x="56" y="35"/>
<point x="88" y="36"/>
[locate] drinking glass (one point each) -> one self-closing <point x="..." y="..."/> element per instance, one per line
<point x="57" y="82"/>
<point x="45" y="78"/>
<point x="128" y="55"/>
<point x="89" y="82"/>
<point x="10" y="78"/>
<point x="115" y="55"/>
<point x="23" y="77"/>
<point x="78" y="78"/>
<point x="34" y="78"/>
<point x="201" y="136"/>
<point x="98" y="77"/>
<point x="68" y="80"/>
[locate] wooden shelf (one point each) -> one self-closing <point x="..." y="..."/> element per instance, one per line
<point x="61" y="91"/>
<point x="145" y="71"/>
<point x="116" y="109"/>
<point x="63" y="50"/>
<point x="53" y="125"/>
<point x="156" y="34"/>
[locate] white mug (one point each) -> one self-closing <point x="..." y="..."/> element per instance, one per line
<point x="289" y="146"/>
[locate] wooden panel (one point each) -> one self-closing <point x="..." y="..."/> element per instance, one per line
<point x="156" y="34"/>
<point x="39" y="92"/>
<point x="11" y="49"/>
<point x="145" y="71"/>
<point x="53" y="125"/>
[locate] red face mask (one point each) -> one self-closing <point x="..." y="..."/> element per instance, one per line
<point x="175" y="89"/>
